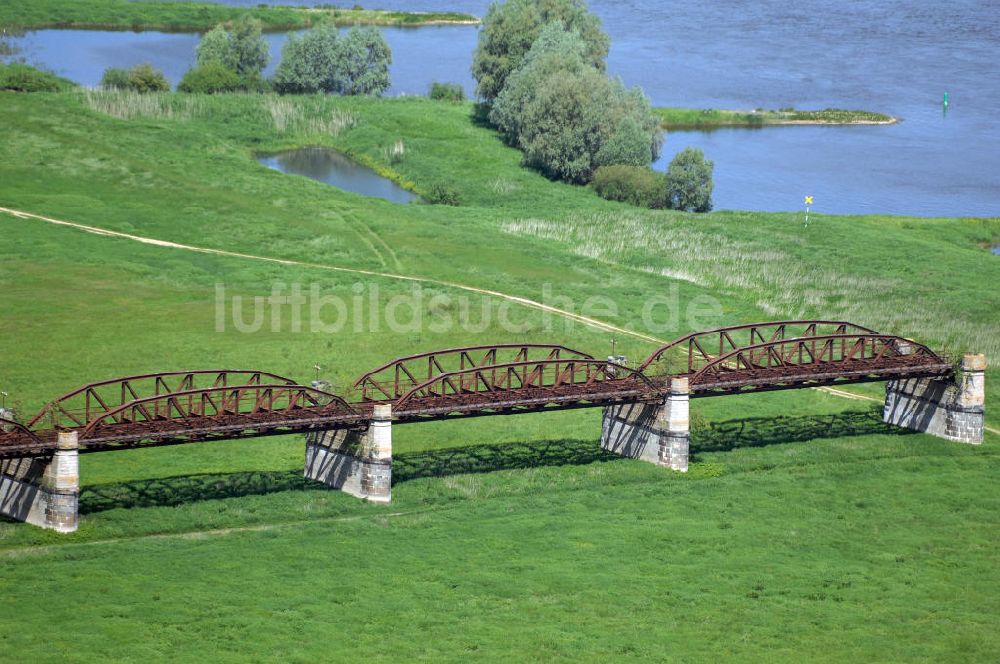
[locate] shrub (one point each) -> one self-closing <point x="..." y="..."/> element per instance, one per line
<point x="211" y="78"/>
<point x="323" y="61"/>
<point x="447" y="91"/>
<point x="24" y="78"/>
<point x="442" y="194"/>
<point x="242" y="49"/>
<point x="140" y="78"/>
<point x="509" y="30"/>
<point x="689" y="181"/>
<point x="636" y="185"/>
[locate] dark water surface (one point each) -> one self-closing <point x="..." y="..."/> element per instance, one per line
<point x="332" y="167"/>
<point x="893" y="56"/>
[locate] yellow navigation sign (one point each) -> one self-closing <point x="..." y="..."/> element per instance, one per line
<point x="809" y="200"/>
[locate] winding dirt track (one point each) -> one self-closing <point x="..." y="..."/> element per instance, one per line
<point x="533" y="304"/>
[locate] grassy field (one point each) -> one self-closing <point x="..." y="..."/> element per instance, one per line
<point x="696" y="118"/>
<point x="806" y="529"/>
<point x="186" y="16"/>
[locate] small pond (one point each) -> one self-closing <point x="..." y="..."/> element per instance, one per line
<point x="996" y="249"/>
<point x="332" y="167"/>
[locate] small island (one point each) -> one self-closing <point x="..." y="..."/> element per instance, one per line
<point x="200" y="16"/>
<point x="693" y="118"/>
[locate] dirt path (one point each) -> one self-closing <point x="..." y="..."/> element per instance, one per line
<point x="527" y="302"/>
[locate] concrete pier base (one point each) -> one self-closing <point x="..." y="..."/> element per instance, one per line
<point x="356" y="462"/>
<point x="42" y="491"/>
<point x="657" y="433"/>
<point x="946" y="409"/>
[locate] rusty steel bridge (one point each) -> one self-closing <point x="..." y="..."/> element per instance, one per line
<point x="192" y="406"/>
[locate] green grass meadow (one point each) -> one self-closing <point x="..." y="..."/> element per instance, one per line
<point x="806" y="530"/>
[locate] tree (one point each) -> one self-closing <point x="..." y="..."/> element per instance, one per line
<point x="322" y="60"/>
<point x="568" y="117"/>
<point x="510" y="29"/>
<point x="555" y="51"/>
<point x="249" y="46"/>
<point x="689" y="181"/>
<point x="242" y="49"/>
<point x="363" y="60"/>
<point x="216" y="47"/>
<point x="308" y="62"/>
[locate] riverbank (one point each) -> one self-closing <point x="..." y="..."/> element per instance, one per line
<point x="199" y="16"/>
<point x="693" y="118"/>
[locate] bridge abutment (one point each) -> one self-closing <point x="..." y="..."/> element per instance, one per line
<point x="43" y="491"/>
<point x="954" y="410"/>
<point x="657" y="433"/>
<point x="353" y="461"/>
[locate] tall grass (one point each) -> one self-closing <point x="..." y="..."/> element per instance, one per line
<point x="776" y="268"/>
<point x="291" y="117"/>
<point x="130" y="105"/>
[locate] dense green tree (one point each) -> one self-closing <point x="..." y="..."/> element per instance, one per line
<point x="555" y="51"/>
<point x="308" y="62"/>
<point x="363" y="62"/>
<point x="509" y="30"/>
<point x="689" y="181"/>
<point x="140" y="78"/>
<point x="216" y="46"/>
<point x="242" y="49"/>
<point x="322" y="60"/>
<point x="568" y="117"/>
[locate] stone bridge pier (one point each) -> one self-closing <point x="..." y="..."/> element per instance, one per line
<point x="954" y="410"/>
<point x="657" y="433"/>
<point x="44" y="491"/>
<point x="356" y="462"/>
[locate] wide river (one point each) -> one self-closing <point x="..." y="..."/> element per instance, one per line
<point x="894" y="56"/>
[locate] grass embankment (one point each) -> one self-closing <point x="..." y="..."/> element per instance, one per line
<point x="805" y="529"/>
<point x="198" y="16"/>
<point x="693" y="118"/>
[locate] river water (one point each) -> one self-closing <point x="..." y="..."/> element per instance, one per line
<point x="892" y="56"/>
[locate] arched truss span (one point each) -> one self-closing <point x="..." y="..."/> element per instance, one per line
<point x="518" y="386"/>
<point x="687" y="354"/>
<point x="225" y="411"/>
<point x="823" y="359"/>
<point x="85" y="404"/>
<point x="394" y="379"/>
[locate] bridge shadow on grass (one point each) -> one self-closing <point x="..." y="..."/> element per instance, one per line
<point x="713" y="437"/>
<point x="761" y="431"/>
<point x="172" y="491"/>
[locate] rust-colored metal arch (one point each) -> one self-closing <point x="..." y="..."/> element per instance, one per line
<point x="703" y="347"/>
<point x="393" y="379"/>
<point x="82" y="405"/>
<point x="518" y="385"/>
<point x="235" y="409"/>
<point x="821" y="359"/>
